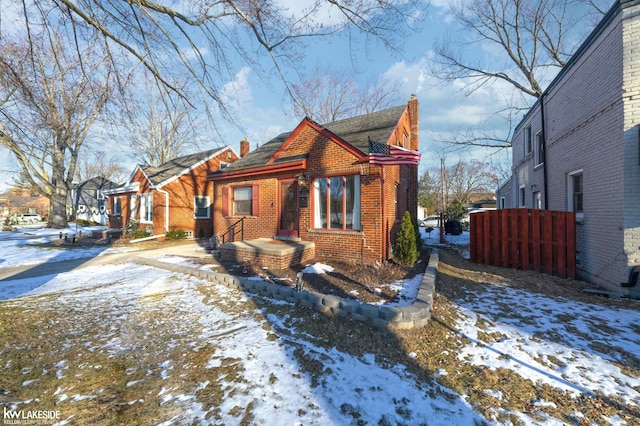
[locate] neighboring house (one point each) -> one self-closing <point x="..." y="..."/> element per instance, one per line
<point x="577" y="149"/>
<point x="504" y="195"/>
<point x="88" y="201"/>
<point x="174" y="195"/>
<point x="23" y="201"/>
<point x="5" y="207"/>
<point x="337" y="186"/>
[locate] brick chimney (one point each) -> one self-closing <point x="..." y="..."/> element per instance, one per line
<point x="244" y="147"/>
<point x="413" y="121"/>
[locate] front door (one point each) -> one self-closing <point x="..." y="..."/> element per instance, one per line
<point x="288" y="208"/>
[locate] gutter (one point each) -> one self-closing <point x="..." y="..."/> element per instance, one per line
<point x="166" y="208"/>
<point x="153" y="237"/>
<point x="544" y="151"/>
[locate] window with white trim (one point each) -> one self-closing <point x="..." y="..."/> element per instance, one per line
<point x="201" y="204"/>
<point x="537" y="200"/>
<point x="502" y="202"/>
<point x="337" y="202"/>
<point x="521" y="195"/>
<point x="146" y="208"/>
<point x="117" y="206"/>
<point x="539" y="147"/>
<point x="575" y="188"/>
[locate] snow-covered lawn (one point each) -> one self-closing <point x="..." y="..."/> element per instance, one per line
<point x="126" y="343"/>
<point x="25" y="247"/>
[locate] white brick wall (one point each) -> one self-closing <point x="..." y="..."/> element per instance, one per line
<point x="631" y="128"/>
<point x="592" y="123"/>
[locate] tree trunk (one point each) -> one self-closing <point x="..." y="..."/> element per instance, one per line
<point x="58" y="207"/>
<point x="58" y="204"/>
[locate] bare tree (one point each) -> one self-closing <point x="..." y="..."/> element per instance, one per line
<point x="461" y="181"/>
<point x="466" y="178"/>
<point x="100" y="164"/>
<point x="161" y="125"/>
<point x="49" y="99"/>
<point x="207" y="39"/>
<point x="329" y="95"/>
<point x="525" y="41"/>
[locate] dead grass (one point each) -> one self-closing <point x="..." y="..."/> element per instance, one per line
<point x="100" y="386"/>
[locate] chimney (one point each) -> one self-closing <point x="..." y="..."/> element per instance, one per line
<point x="413" y="122"/>
<point x="244" y="147"/>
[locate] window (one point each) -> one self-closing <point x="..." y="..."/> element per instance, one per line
<point x="575" y="192"/>
<point x="117" y="206"/>
<point x="537" y="200"/>
<point x="527" y="140"/>
<point x="242" y="201"/>
<point x="134" y="206"/>
<point x="502" y="202"/>
<point x="146" y="208"/>
<point x="201" y="207"/>
<point x="521" y="201"/>
<point x="539" y="154"/>
<point x="337" y="202"/>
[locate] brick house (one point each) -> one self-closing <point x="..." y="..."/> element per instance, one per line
<point x="577" y="149"/>
<point x="337" y="187"/>
<point x="174" y="195"/>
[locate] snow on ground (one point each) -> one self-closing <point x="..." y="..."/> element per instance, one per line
<point x="24" y="247"/>
<point x="540" y="338"/>
<point x="274" y="384"/>
<point x="460" y="243"/>
<point x="571" y="362"/>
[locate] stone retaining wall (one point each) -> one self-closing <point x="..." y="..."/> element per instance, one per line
<point x="417" y="314"/>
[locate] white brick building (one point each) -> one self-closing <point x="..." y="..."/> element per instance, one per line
<point x="578" y="149"/>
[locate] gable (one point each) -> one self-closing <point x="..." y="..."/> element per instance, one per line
<point x="309" y="140"/>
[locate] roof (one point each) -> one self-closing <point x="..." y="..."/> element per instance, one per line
<point x="613" y="11"/>
<point x="97" y="182"/>
<point x="164" y="173"/>
<point x="356" y="131"/>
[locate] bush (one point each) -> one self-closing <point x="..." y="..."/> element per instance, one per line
<point x="139" y="233"/>
<point x="416" y="227"/>
<point x="175" y="234"/>
<point x="406" y="251"/>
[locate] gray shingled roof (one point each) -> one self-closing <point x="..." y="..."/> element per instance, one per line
<point x="356" y="131"/>
<point x="163" y="172"/>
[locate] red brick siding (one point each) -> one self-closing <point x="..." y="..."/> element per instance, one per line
<point x="271" y="261"/>
<point x="326" y="157"/>
<point x="182" y="192"/>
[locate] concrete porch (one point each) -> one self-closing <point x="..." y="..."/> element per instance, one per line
<point x="272" y="253"/>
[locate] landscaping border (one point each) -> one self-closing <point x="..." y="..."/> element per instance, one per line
<point x="415" y="315"/>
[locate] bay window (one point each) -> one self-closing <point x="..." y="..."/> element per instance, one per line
<point x="337" y="202"/>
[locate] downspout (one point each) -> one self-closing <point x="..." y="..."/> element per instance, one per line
<point x="544" y="150"/>
<point x="383" y="222"/>
<point x="166" y="208"/>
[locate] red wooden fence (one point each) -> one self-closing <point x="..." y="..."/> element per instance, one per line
<point x="539" y="240"/>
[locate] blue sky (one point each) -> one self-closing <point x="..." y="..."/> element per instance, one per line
<point x="262" y="110"/>
<point x="443" y="107"/>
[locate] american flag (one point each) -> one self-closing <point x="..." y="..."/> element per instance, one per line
<point x="385" y="155"/>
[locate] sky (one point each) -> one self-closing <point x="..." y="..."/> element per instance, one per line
<point x="547" y="349"/>
<point x="262" y="111"/>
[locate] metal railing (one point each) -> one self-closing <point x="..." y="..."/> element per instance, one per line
<point x="231" y="232"/>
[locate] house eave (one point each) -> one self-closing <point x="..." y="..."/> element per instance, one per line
<point x="130" y="187"/>
<point x="259" y="171"/>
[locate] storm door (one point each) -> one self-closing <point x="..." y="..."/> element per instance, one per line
<point x="288" y="208"/>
